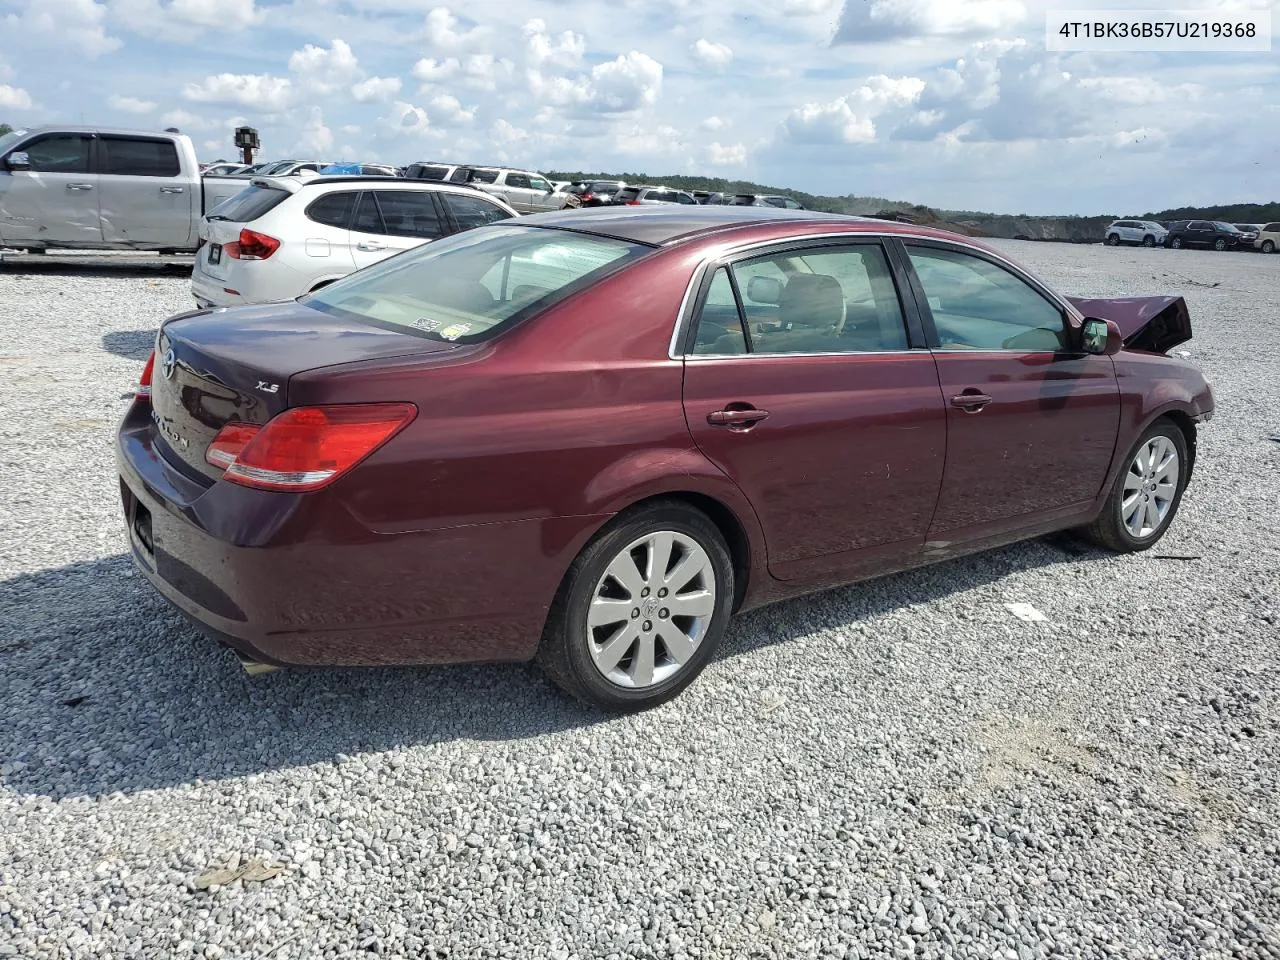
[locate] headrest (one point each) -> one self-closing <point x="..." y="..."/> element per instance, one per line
<point x="812" y="300"/>
<point x="764" y="290"/>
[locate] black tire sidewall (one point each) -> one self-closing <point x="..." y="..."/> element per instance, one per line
<point x="1113" y="240"/>
<point x="1148" y="241"/>
<point x="596" y="557"/>
<point x="1163" y="428"/>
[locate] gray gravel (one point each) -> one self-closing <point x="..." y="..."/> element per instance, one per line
<point x="899" y="769"/>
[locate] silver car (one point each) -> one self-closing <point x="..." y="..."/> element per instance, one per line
<point x="527" y="192"/>
<point x="643" y="196"/>
<point x="1142" y="233"/>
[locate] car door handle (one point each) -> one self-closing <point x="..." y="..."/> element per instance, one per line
<point x="736" y="417"/>
<point x="170" y="189"/>
<point x="970" y="402"/>
<point x="79" y="186"/>
<point x="370" y="245"/>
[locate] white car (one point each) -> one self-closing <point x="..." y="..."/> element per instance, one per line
<point x="283" y="237"/>
<point x="1143" y="233"/>
<point x="526" y="191"/>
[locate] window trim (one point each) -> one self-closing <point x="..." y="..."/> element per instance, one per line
<point x="684" y="337"/>
<point x="1067" y="315"/>
<point x="681" y="331"/>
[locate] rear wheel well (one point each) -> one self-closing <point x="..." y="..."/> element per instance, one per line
<point x="726" y="522"/>
<point x="1188" y="428"/>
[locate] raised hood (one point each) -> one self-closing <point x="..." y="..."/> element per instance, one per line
<point x="1154" y="324"/>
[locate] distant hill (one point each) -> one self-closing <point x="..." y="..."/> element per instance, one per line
<point x="1072" y="229"/>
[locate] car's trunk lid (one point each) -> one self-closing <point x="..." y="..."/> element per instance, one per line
<point x="217" y="366"/>
<point x="1155" y="324"/>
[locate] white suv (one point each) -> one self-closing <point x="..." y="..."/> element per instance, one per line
<point x="1144" y="233"/>
<point x="280" y="238"/>
<point x="526" y="192"/>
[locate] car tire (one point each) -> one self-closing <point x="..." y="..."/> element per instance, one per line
<point x="1268" y="246"/>
<point x="1176" y="243"/>
<point x="1148" y="241"/>
<point x="1126" y="526"/>
<point x="634" y="659"/>
<point x="1219" y="244"/>
<point x="1113" y="240"/>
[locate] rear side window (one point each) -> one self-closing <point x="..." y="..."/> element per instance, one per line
<point x="408" y="213"/>
<point x="249" y="204"/>
<point x="135" y="157"/>
<point x="720" y="329"/>
<point x="472" y="211"/>
<point x="333" y="209"/>
<point x="430" y="172"/>
<point x="60" y="153"/>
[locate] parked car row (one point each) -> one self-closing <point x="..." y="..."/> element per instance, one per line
<point x="1210" y="234"/>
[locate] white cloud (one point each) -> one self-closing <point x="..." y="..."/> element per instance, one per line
<point x="407" y="118"/>
<point x="184" y="121"/>
<point x="716" y="56"/>
<point x="646" y="140"/>
<point x="449" y="112"/>
<point x="324" y="71"/>
<point x="565" y="50"/>
<point x="864" y="22"/>
<point x="314" y="137"/>
<point x="484" y="71"/>
<point x="375" y="89"/>
<point x="76" y="23"/>
<point x="434" y="71"/>
<point x="1141" y="91"/>
<point x="720" y="155"/>
<point x="713" y="124"/>
<point x="14" y="98"/>
<point x="130" y="104"/>
<point x="442" y="31"/>
<point x="185" y="20"/>
<point x="832" y="123"/>
<point x="259" y="91"/>
<point x="507" y="133"/>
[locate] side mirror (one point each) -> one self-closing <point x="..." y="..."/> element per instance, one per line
<point x="1101" y="337"/>
<point x="18" y="160"/>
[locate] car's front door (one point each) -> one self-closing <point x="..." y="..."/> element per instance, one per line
<point x="143" y="197"/>
<point x="1201" y="232"/>
<point x="818" y="407"/>
<point x="516" y="189"/>
<point x="54" y="200"/>
<point x="1031" y="419"/>
<point x="542" y="196"/>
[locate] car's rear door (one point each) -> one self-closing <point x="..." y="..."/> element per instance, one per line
<point x="822" y="407"/>
<point x="144" y="198"/>
<point x="55" y="200"/>
<point x="390" y="221"/>
<point x="1032" y="420"/>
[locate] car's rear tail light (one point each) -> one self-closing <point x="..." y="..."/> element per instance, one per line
<point x="230" y="443"/>
<point x="632" y="203"/>
<point x="587" y="196"/>
<point x="306" y="448"/>
<point x="251" y="246"/>
<point x="144" y="382"/>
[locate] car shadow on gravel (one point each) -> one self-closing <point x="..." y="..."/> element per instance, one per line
<point x="130" y="344"/>
<point x="11" y="264"/>
<point x="104" y="688"/>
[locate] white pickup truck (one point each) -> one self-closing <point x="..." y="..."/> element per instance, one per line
<point x="96" y="188"/>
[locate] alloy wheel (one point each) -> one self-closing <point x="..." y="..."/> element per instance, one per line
<point x="651" y="609"/>
<point x="1150" y="487"/>
<point x="1220" y="245"/>
<point x="1268" y="247"/>
<point x="1176" y="243"/>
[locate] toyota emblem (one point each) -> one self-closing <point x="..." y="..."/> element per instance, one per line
<point x="167" y="365"/>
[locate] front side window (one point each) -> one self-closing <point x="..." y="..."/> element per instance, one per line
<point x="1272" y="228"/>
<point x="537" y="183"/>
<point x="978" y="305"/>
<point x="468" y="287"/>
<point x="407" y="213"/>
<point x="471" y="212"/>
<point x="517" y="180"/>
<point x="60" y="153"/>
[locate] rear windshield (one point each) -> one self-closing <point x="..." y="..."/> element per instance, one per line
<point x="628" y="193"/>
<point x="247" y="205"/>
<point x="468" y="287"/>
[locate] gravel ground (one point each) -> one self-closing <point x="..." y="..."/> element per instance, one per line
<point x="897" y="769"/>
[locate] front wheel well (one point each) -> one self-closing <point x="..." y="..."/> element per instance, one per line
<point x="1188" y="427"/>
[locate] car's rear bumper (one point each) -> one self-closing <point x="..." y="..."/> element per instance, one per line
<point x="298" y="580"/>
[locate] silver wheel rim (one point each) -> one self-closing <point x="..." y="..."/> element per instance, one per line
<point x="1150" y="484"/>
<point x="651" y="609"/>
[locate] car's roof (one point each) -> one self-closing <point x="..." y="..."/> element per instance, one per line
<point x="660" y="225"/>
<point x="95" y="128"/>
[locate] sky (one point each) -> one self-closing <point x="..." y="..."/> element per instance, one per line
<point x="952" y="103"/>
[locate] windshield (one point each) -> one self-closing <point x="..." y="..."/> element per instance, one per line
<point x="1225" y="226"/>
<point x="271" y="168"/>
<point x="466" y="288"/>
<point x="10" y="138"/>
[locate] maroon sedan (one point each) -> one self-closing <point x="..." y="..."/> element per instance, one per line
<point x="590" y="437"/>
